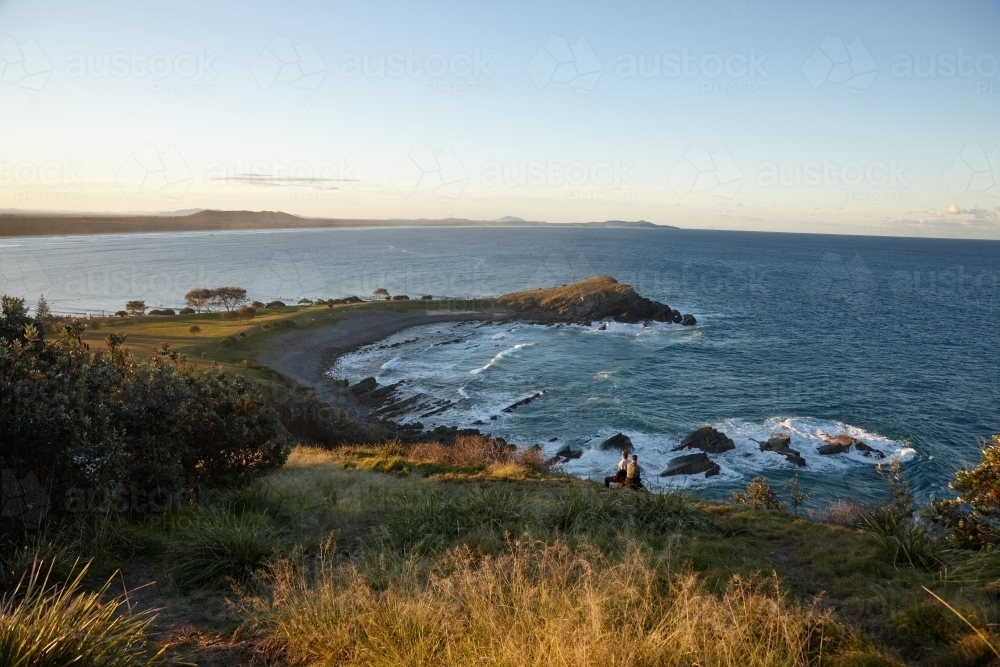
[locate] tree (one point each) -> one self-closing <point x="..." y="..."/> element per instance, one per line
<point x="199" y="298"/>
<point x="246" y="313"/>
<point x="42" y="311"/>
<point x="229" y="297"/>
<point x="380" y="294"/>
<point x="135" y="308"/>
<point x="194" y="329"/>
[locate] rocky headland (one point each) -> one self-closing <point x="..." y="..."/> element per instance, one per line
<point x="596" y="298"/>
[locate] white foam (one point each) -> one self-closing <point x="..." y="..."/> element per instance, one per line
<point x="501" y="355"/>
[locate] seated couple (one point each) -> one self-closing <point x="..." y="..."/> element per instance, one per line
<point x="628" y="475"/>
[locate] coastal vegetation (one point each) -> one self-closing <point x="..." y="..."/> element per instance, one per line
<point x="419" y="552"/>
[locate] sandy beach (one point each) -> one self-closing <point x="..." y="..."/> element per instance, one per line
<point x="305" y="356"/>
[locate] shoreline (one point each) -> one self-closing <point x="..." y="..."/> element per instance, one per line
<point x="305" y="356"/>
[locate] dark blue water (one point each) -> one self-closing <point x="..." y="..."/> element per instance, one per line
<point x="896" y="338"/>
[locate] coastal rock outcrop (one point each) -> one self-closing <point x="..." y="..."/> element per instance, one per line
<point x="567" y="453"/>
<point x="838" y="444"/>
<point x="691" y="464"/>
<point x="707" y="439"/>
<point x="779" y="444"/>
<point x="597" y="298"/>
<point x="619" y="441"/>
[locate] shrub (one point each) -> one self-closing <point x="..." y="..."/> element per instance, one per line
<point x="258" y="305"/>
<point x="275" y="304"/>
<point x="305" y="302"/>
<point x="95" y="425"/>
<point x="216" y="548"/>
<point x="427" y="297"/>
<point x="380" y="294"/>
<point x="228" y="341"/>
<point x="186" y="311"/>
<point x="194" y="329"/>
<point x="759" y="496"/>
<point x="164" y="311"/>
<point x="43" y="624"/>
<point x="135" y="308"/>
<point x="400" y="297"/>
<point x="121" y="313"/>
<point x="353" y="299"/>
<point x="970" y="519"/>
<point x="246" y="313"/>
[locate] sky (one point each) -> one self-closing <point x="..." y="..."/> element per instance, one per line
<point x="832" y="117"/>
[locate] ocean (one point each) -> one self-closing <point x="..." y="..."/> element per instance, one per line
<point x="892" y="340"/>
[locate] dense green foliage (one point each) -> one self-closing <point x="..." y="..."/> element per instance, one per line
<point x="110" y="430"/>
<point x="971" y="517"/>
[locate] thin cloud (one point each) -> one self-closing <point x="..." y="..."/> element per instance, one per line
<point x="264" y="180"/>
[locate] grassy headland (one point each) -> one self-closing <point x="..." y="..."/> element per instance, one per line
<point x="469" y="552"/>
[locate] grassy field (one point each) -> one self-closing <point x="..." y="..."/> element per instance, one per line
<point x="471" y="555"/>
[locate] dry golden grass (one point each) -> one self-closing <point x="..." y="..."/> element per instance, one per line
<point x="536" y="604"/>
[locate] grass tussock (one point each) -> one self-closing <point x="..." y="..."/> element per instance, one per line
<point x="44" y="623"/>
<point x="535" y="604"/>
<point x="212" y="549"/>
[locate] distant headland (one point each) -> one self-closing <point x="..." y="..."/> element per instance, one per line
<point x="25" y="223"/>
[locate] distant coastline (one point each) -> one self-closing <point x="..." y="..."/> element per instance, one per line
<point x="21" y="224"/>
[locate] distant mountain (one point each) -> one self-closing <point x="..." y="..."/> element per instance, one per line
<point x="23" y="223"/>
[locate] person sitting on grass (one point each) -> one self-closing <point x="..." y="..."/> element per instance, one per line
<point x="619" y="476"/>
<point x="633" y="474"/>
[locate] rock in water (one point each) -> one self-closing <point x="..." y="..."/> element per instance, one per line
<point x="834" y="444"/>
<point x="620" y="442"/>
<point x="568" y="453"/>
<point x="688" y="320"/>
<point x="778" y="443"/>
<point x="867" y="450"/>
<point x="707" y="439"/>
<point x="691" y="464"/>
<point x="596" y="298"/>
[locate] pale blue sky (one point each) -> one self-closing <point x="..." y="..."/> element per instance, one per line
<point x="270" y="106"/>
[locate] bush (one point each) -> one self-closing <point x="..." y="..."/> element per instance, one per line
<point x="217" y="548"/>
<point x="759" y="496"/>
<point x="43" y="624"/>
<point x="354" y="299"/>
<point x="186" y="311"/>
<point x="164" y="311"/>
<point x="246" y="313"/>
<point x="400" y="297"/>
<point x="305" y="302"/>
<point x="427" y="297"/>
<point x="102" y="425"/>
<point x="275" y="304"/>
<point x="970" y="519"/>
<point x="121" y="313"/>
<point x="258" y="305"/>
<point x="228" y="341"/>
